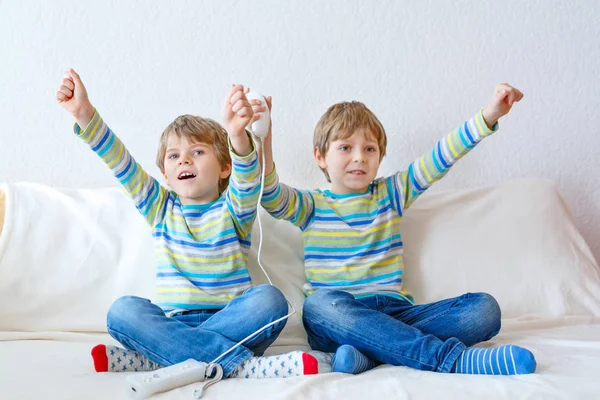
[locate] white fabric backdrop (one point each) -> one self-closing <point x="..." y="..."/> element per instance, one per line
<point x="422" y="66"/>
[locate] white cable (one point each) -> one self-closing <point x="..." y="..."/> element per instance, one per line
<point x="262" y="186"/>
<point x="260" y="195"/>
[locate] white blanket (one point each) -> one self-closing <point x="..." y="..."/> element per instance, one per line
<point x="567" y="358"/>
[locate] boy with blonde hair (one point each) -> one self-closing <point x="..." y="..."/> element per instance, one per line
<point x="356" y="306"/>
<point x="205" y="302"/>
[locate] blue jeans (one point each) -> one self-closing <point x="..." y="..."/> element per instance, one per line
<point x="428" y="337"/>
<point x="199" y="334"/>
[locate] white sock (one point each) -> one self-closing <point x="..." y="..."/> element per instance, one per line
<point x="296" y="363"/>
<point x="109" y="358"/>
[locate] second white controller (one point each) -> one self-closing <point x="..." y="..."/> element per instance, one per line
<point x="260" y="128"/>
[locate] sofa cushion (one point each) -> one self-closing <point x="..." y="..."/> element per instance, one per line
<point x="66" y="255"/>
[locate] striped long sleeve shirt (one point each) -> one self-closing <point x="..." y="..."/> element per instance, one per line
<point x="353" y="242"/>
<point x="201" y="250"/>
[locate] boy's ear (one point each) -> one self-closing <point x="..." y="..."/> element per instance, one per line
<point x="320" y="158"/>
<point x="225" y="171"/>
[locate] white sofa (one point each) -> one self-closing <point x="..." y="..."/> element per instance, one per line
<point x="66" y="255"/>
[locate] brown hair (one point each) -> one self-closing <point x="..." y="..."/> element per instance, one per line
<point x="200" y="130"/>
<point x="341" y="120"/>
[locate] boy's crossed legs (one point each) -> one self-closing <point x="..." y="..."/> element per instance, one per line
<point x="431" y="337"/>
<point x="153" y="340"/>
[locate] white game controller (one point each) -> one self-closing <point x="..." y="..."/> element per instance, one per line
<point x="142" y="385"/>
<point x="260" y="128"/>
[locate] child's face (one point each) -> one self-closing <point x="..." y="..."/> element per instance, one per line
<point x="193" y="171"/>
<point x="351" y="163"/>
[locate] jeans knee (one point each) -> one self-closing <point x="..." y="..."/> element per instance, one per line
<point x="270" y="299"/>
<point x="324" y="301"/>
<point x="489" y="313"/>
<point x="122" y="310"/>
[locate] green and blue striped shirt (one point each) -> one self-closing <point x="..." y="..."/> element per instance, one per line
<point x="353" y="242"/>
<point x="201" y="250"/>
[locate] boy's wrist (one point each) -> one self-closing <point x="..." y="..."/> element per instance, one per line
<point x="241" y="145"/>
<point x="85" y="114"/>
<point x="490" y="117"/>
<point x="268" y="150"/>
<point x="267" y="141"/>
<point x="236" y="133"/>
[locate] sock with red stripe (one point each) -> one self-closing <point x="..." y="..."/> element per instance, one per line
<point x="109" y="358"/>
<point x="296" y="363"/>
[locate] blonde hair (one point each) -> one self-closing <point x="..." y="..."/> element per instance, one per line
<point x="198" y="130"/>
<point x="341" y="120"/>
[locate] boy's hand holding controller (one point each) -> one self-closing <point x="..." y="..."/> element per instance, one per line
<point x="504" y="98"/>
<point x="237" y="114"/>
<point x="72" y="96"/>
<point x="260" y="111"/>
<point x="261" y="106"/>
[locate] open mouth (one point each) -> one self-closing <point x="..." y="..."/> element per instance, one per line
<point x="357" y="172"/>
<point x="186" y="175"/>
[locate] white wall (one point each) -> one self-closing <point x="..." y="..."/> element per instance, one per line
<point x="422" y="66"/>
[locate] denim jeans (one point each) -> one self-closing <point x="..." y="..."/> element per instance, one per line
<point x="199" y="334"/>
<point x="428" y="337"/>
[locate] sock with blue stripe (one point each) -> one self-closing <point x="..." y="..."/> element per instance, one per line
<point x="503" y="360"/>
<point x="350" y="361"/>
